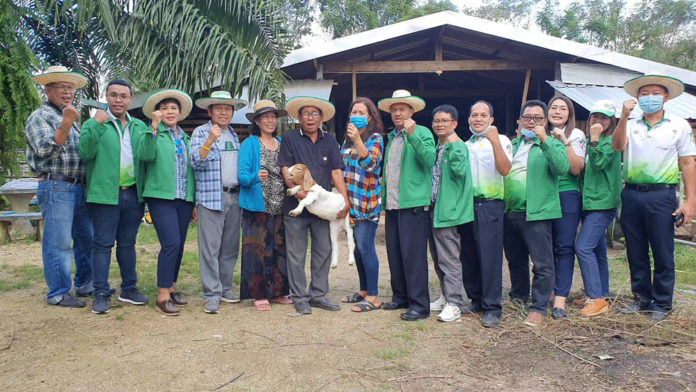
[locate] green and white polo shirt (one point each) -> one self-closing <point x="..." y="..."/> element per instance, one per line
<point x="487" y="181"/>
<point x="652" y="155"/>
<point x="516" y="180"/>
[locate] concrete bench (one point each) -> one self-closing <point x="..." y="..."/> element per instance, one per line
<point x="7" y="217"/>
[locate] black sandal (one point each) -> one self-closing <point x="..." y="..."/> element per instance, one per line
<point x="366" y="306"/>
<point x="351" y="299"/>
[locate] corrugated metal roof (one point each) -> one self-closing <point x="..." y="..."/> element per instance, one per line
<point x="585" y="95"/>
<point x="483" y="26"/>
<point x="595" y="74"/>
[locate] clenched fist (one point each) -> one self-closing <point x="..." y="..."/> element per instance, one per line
<point x="156" y="120"/>
<point x="101" y="117"/>
<point x="559" y="134"/>
<point x="70" y="115"/>
<point x="492" y="134"/>
<point x="352" y="132"/>
<point x="595" y="131"/>
<point x="409" y="126"/>
<point x="540" y="132"/>
<point x="628" y="107"/>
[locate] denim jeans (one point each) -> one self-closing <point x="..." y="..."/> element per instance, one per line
<point x="564" y="231"/>
<point x="115" y="223"/>
<point x="67" y="236"/>
<point x="366" y="259"/>
<point x="591" y="248"/>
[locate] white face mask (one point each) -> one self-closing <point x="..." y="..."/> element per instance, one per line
<point x="482" y="132"/>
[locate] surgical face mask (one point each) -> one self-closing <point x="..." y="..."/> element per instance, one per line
<point x="650" y="103"/>
<point x="477" y="134"/>
<point x="528" y="133"/>
<point x="360" y="122"/>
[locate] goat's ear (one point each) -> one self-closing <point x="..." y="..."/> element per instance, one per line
<point x="307" y="181"/>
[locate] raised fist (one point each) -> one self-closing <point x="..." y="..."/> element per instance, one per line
<point x="559" y="134"/>
<point x="628" y="107"/>
<point x="409" y="126"/>
<point x="595" y="131"/>
<point x="540" y="132"/>
<point x="492" y="133"/>
<point x="352" y="132"/>
<point x="70" y="114"/>
<point x="156" y="120"/>
<point x="101" y="117"/>
<point x="214" y="132"/>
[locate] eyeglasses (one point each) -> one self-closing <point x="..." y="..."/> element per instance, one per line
<point x="443" y="122"/>
<point x="63" y="87"/>
<point x="536" y="119"/>
<point x="311" y="114"/>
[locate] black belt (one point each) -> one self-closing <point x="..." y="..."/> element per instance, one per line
<point x="650" y="187"/>
<point x="60" y="177"/>
<point x="482" y="200"/>
<point x="124" y="188"/>
<point x="234" y="189"/>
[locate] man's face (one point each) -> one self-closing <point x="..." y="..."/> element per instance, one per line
<point x="400" y="112"/>
<point x="62" y="94"/>
<point x="533" y="116"/>
<point x="221" y="114"/>
<point x="310" y="119"/>
<point x="653" y="89"/>
<point x="443" y="124"/>
<point x="119" y="98"/>
<point x="480" y="118"/>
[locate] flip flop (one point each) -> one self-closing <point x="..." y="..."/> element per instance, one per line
<point x="365" y="306"/>
<point x="285" y="299"/>
<point x="262" y="305"/>
<point x="351" y="299"/>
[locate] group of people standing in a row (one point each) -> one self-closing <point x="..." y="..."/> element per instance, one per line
<point x="471" y="200"/>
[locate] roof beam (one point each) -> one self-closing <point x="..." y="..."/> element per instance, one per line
<point x="433" y="66"/>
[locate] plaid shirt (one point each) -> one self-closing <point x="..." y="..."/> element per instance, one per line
<point x="362" y="180"/>
<point x="180" y="163"/>
<point x="43" y="153"/>
<point x="208" y="171"/>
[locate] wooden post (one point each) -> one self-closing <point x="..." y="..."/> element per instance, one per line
<point x="355" y="85"/>
<point x="526" y="87"/>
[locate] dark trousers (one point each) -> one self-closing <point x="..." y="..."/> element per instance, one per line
<point x="522" y="239"/>
<point x="407" y="231"/>
<point x="115" y="224"/>
<point x="565" y="229"/>
<point x="482" y="256"/>
<point x="171" y="219"/>
<point x="646" y="220"/>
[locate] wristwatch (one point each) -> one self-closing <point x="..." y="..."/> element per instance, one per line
<point x="594" y="144"/>
<point x="567" y="143"/>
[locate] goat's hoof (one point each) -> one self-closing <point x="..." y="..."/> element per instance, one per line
<point x="293" y="213"/>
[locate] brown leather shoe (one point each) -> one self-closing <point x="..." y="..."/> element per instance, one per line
<point x="534" y="319"/>
<point x="594" y="307"/>
<point x="178" y="298"/>
<point x="167" y="307"/>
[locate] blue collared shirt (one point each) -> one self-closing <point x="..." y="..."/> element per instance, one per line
<point x="180" y="163"/>
<point x="208" y="171"/>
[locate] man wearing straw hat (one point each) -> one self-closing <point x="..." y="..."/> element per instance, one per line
<point x="311" y="146"/>
<point x="214" y="156"/>
<point x="52" y="137"/>
<point x="657" y="145"/>
<point x="408" y="165"/>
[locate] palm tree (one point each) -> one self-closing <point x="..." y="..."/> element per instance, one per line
<point x="187" y="44"/>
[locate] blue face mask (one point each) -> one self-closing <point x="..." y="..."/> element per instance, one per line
<point x="360" y="122"/>
<point x="650" y="103"/>
<point x="528" y="133"/>
<point x="478" y="134"/>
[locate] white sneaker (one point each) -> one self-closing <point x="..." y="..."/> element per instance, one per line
<point x="450" y="313"/>
<point x="439" y="304"/>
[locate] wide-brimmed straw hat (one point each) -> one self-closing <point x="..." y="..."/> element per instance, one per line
<point x="60" y="74"/>
<point x="674" y="86"/>
<point x="402" y="96"/>
<point x="221" y="97"/>
<point x="264" y="106"/>
<point x="295" y="104"/>
<point x="604" y="106"/>
<point x="158" y="96"/>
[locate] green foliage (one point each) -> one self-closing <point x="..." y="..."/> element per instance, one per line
<point x="297" y="18"/>
<point x="18" y="97"/>
<point x="515" y="12"/>
<point x="346" y="17"/>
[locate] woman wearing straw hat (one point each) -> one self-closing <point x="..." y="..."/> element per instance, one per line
<point x="52" y="136"/>
<point x="601" y="193"/>
<point x="169" y="187"/>
<point x="657" y="146"/>
<point x="214" y="157"/>
<point x="264" y="271"/>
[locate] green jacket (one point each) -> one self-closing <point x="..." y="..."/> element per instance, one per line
<point x="100" y="148"/>
<point x="601" y="188"/>
<point x="417" y="160"/>
<point x="547" y="161"/>
<point x="157" y="154"/>
<point x="455" y="198"/>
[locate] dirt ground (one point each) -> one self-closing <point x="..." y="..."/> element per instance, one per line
<point x="44" y="348"/>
